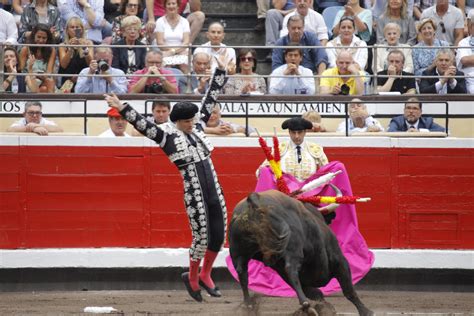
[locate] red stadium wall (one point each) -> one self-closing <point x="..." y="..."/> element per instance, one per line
<point x="132" y="196"/>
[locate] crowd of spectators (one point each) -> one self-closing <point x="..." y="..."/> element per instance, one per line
<point x="369" y="30"/>
<point x="395" y="40"/>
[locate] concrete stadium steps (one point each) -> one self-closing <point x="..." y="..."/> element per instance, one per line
<point x="229" y="6"/>
<point x="238" y="18"/>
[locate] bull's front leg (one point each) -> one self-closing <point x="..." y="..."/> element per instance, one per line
<point x="241" y="265"/>
<point x="292" y="266"/>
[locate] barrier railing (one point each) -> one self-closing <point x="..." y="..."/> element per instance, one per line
<point x="188" y="76"/>
<point x="245" y="103"/>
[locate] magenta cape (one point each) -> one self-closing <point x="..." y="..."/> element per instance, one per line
<point x="265" y="280"/>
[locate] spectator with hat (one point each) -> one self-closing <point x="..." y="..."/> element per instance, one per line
<point x="185" y="144"/>
<point x="299" y="158"/>
<point x="117" y="124"/>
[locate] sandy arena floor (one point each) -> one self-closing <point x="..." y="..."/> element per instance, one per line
<point x="178" y="303"/>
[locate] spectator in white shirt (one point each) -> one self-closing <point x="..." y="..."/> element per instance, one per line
<point x="117" y="124"/>
<point x="215" y="34"/>
<point x="8" y="29"/>
<point x="313" y="21"/>
<point x="33" y="121"/>
<point x="359" y="119"/>
<point x="292" y="78"/>
<point x="465" y="56"/>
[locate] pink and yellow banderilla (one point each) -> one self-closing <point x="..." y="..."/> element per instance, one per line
<point x="275" y="166"/>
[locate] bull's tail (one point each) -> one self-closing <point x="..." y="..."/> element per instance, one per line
<point x="271" y="234"/>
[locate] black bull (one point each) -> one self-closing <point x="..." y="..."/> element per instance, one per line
<point x="294" y="240"/>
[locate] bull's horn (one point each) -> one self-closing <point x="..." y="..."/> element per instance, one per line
<point x="333" y="206"/>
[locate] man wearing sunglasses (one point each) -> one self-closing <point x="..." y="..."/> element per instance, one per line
<point x="33" y="121"/>
<point x="449" y="19"/>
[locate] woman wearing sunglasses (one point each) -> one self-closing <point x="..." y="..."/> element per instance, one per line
<point x="246" y="81"/>
<point x="129" y="8"/>
<point x="424" y="57"/>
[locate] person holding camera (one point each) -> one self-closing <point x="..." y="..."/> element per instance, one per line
<point x="100" y="77"/>
<point x="344" y="79"/>
<point x="72" y="59"/>
<point x="153" y="78"/>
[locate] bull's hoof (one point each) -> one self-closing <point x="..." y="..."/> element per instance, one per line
<point x="196" y="295"/>
<point x="325" y="309"/>
<point x="215" y="292"/>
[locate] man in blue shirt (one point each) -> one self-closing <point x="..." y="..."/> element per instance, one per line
<point x="100" y="77"/>
<point x="315" y="59"/>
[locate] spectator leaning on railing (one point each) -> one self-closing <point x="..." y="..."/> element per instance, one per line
<point x="34" y="122"/>
<point x="359" y="119"/>
<point x="315" y="119"/>
<point x="397" y="80"/>
<point x="448" y="79"/>
<point x="100" y="77"/>
<point x="292" y="78"/>
<point x="465" y="55"/>
<point x="151" y="79"/>
<point x="215" y="125"/>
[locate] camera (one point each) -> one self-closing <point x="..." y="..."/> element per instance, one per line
<point x="345" y="89"/>
<point x="102" y="65"/>
<point x="154" y="88"/>
<point x="77" y="33"/>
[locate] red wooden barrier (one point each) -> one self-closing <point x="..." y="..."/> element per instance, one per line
<point x="132" y="196"/>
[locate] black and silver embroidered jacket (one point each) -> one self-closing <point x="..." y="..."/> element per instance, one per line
<point x="173" y="141"/>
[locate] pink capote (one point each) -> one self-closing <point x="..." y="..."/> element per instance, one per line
<point x="265" y="280"/>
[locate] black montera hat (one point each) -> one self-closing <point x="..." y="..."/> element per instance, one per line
<point x="183" y="111"/>
<point x="297" y="124"/>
